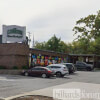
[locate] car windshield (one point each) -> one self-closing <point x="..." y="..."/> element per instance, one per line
<point x="48" y="66"/>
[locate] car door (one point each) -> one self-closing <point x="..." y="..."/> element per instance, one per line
<point x="35" y="71"/>
<point x="30" y="72"/>
<point x="81" y="66"/>
<point x="56" y="68"/>
<point x="41" y="71"/>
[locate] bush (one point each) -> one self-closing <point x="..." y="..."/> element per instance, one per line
<point x="15" y="67"/>
<point x="24" y="67"/>
<point x="2" y="67"/>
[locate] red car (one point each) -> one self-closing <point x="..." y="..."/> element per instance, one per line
<point x="39" y="71"/>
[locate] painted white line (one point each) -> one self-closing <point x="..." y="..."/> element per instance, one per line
<point x="5" y="79"/>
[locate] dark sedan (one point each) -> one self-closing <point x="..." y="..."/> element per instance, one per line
<point x="38" y="71"/>
<point x="83" y="66"/>
<point x="71" y="67"/>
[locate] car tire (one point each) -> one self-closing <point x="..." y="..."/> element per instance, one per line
<point x="26" y="74"/>
<point x="58" y="74"/>
<point x="44" y="75"/>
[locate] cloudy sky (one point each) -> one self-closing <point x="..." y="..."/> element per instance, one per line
<point x="45" y="18"/>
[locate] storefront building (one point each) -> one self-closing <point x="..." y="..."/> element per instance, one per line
<point x="15" y="52"/>
<point x="45" y="57"/>
<point x="19" y="55"/>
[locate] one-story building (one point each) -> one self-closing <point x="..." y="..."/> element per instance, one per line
<point x="18" y="55"/>
<point x="15" y="52"/>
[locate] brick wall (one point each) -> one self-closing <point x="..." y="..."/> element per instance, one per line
<point x="14" y="54"/>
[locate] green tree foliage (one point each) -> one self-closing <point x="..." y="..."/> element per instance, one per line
<point x="88" y="34"/>
<point x="96" y="46"/>
<point x="88" y="27"/>
<point x="63" y="47"/>
<point x="87" y="42"/>
<point x="81" y="46"/>
<point x="53" y="44"/>
<point x="41" y="45"/>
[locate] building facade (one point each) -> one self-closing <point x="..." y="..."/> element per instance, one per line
<point x="13" y="55"/>
<point x="20" y="55"/>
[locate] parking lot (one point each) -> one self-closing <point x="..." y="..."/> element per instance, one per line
<point x="11" y="85"/>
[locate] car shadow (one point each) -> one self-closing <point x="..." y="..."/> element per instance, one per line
<point x="74" y="74"/>
<point x="52" y="78"/>
<point x="67" y="77"/>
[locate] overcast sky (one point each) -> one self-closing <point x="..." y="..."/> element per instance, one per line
<point x="45" y="18"/>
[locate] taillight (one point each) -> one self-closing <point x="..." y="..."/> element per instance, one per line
<point x="49" y="71"/>
<point x="64" y="70"/>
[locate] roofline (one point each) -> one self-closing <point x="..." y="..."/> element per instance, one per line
<point x="83" y="55"/>
<point x="65" y="53"/>
<point x="48" y="51"/>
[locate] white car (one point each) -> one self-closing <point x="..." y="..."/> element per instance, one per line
<point x="58" y="69"/>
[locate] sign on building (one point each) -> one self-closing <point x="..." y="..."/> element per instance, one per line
<point x="13" y="33"/>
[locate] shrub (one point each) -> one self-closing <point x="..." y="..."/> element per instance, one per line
<point x="15" y="67"/>
<point x="24" y="67"/>
<point x="2" y="67"/>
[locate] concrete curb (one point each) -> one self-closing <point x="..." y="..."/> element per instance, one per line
<point x="2" y="98"/>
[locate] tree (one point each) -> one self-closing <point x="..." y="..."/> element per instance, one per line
<point x="80" y="46"/>
<point x="63" y="47"/>
<point x="88" y="27"/>
<point x="96" y="46"/>
<point x="40" y="45"/>
<point x="53" y="44"/>
<point x="88" y="31"/>
<point x="83" y="45"/>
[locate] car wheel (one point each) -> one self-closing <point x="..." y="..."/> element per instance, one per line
<point x="26" y="74"/>
<point x="44" y="75"/>
<point x="58" y="74"/>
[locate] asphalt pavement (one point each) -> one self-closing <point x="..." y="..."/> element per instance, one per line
<point x="11" y="85"/>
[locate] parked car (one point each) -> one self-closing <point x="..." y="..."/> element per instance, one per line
<point x="59" y="69"/>
<point x="38" y="71"/>
<point x="83" y="66"/>
<point x="71" y="67"/>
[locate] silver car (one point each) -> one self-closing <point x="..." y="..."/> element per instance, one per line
<point x="60" y="70"/>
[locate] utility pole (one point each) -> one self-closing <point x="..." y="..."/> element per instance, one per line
<point x="29" y="38"/>
<point x="33" y="41"/>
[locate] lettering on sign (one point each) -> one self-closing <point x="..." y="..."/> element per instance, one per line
<point x="15" y="33"/>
